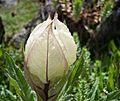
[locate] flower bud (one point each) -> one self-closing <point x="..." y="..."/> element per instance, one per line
<point x="49" y="52"/>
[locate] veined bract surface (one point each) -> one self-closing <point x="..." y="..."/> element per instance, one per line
<point x="49" y="52"/>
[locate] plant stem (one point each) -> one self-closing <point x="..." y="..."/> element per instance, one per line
<point x="46" y="89"/>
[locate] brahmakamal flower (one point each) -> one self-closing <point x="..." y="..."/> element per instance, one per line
<point x="49" y="52"/>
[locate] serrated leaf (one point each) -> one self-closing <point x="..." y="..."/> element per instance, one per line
<point x="92" y="93"/>
<point x="115" y="95"/>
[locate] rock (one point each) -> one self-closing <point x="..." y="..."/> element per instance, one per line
<point x="9" y="3"/>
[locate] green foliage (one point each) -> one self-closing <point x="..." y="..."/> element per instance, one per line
<point x="89" y="80"/>
<point x="77" y="7"/>
<point x="17" y="80"/>
<point x="106" y="9"/>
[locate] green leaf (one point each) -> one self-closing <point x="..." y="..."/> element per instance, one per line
<point x="98" y="68"/>
<point x="13" y="97"/>
<point x="75" y="72"/>
<point x="106" y="9"/>
<point x="15" y="85"/>
<point x="112" y="46"/>
<point x="18" y="78"/>
<point x="77" y="7"/>
<point x="92" y="93"/>
<point x="110" y="82"/>
<point x="1" y="52"/>
<point x="115" y="95"/>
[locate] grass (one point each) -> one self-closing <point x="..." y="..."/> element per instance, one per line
<point x="24" y="11"/>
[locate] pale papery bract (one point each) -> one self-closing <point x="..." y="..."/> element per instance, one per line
<point x="49" y="51"/>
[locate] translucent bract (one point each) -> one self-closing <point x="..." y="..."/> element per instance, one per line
<point x="49" y="52"/>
